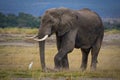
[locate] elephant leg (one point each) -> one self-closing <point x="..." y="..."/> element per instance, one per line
<point x="85" y="53"/>
<point x="95" y="51"/>
<point x="58" y="42"/>
<point x="60" y="57"/>
<point x="67" y="45"/>
<point x="64" y="62"/>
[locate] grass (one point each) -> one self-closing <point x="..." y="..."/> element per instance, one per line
<point x="16" y="34"/>
<point x="18" y="30"/>
<point x="112" y="31"/>
<point x="14" y="61"/>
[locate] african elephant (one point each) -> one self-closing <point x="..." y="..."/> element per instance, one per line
<point x="82" y="29"/>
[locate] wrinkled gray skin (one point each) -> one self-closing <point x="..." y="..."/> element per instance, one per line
<point x="81" y="29"/>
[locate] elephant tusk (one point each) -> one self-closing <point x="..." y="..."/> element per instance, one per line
<point x="45" y="37"/>
<point x="32" y="37"/>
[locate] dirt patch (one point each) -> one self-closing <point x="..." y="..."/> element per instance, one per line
<point x="21" y="40"/>
<point x="111" y="39"/>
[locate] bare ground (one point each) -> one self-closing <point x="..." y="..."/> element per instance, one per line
<point x="22" y="40"/>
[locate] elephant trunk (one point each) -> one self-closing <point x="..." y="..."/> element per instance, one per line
<point x="42" y="54"/>
<point x="42" y="50"/>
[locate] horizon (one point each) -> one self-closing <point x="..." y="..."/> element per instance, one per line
<point x="106" y="9"/>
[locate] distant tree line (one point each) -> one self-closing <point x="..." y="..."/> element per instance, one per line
<point x="30" y="21"/>
<point x="20" y="20"/>
<point x="108" y="25"/>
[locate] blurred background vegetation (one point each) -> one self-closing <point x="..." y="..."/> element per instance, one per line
<point x="24" y="20"/>
<point x="20" y="20"/>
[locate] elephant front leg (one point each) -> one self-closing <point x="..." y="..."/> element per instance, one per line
<point x="64" y="63"/>
<point x="61" y="58"/>
<point x="67" y="45"/>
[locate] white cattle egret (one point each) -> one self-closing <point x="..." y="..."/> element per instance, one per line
<point x="30" y="65"/>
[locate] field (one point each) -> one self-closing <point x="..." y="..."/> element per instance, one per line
<point x="17" y="52"/>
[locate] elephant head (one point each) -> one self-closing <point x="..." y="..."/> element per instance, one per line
<point x="58" y="21"/>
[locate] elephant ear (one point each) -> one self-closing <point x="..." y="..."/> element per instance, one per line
<point x="64" y="20"/>
<point x="67" y="22"/>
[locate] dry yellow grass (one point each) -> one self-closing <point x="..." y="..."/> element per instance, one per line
<point x="15" y="59"/>
<point x="18" y="30"/>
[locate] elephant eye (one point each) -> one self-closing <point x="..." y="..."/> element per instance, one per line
<point x="50" y="21"/>
<point x="43" y="21"/>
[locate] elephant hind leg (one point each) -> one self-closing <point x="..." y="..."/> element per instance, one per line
<point x="85" y="53"/>
<point x="95" y="51"/>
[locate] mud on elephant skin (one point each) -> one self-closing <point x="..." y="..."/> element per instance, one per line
<point x="81" y="29"/>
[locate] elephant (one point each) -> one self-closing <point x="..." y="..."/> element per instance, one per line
<point x="82" y="29"/>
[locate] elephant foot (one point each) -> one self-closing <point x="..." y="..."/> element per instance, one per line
<point x="55" y="69"/>
<point x="51" y="70"/>
<point x="83" y="67"/>
<point x="61" y="69"/>
<point x="48" y="70"/>
<point x="93" y="67"/>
